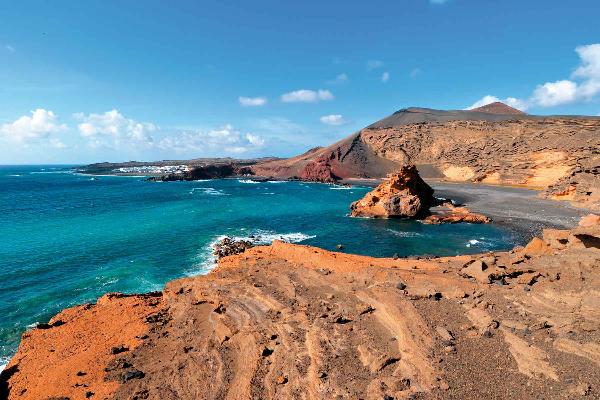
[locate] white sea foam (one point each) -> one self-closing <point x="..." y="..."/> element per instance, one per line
<point x="405" y="234"/>
<point x="268" y="193"/>
<point x="53" y="172"/>
<point x="3" y="363"/>
<point x="276" y="181"/>
<point x="205" y="259"/>
<point x="14" y="175"/>
<point x="341" y="187"/>
<point x="247" y="181"/>
<point x="208" y="191"/>
<point x="473" y="242"/>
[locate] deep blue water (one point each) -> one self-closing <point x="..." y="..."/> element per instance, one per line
<point x="67" y="239"/>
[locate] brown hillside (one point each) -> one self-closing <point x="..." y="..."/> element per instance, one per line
<point x="556" y="153"/>
<point x="498" y="108"/>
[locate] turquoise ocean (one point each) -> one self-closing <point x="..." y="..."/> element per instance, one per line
<point x="67" y="238"/>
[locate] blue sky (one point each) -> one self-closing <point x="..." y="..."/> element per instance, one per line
<point x="119" y="80"/>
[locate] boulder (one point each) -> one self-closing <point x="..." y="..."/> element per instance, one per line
<point x="449" y="214"/>
<point x="403" y="194"/>
<point x="228" y="246"/>
<point x="589" y="220"/>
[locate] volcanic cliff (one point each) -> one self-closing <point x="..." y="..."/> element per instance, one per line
<point x="288" y="321"/>
<point x="495" y="144"/>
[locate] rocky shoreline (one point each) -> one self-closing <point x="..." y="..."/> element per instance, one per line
<point x="287" y="321"/>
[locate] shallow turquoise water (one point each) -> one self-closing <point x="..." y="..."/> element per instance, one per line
<point x="67" y="239"/>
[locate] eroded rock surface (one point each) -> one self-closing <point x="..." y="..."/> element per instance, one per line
<point x="557" y="154"/>
<point x="450" y="214"/>
<point x="403" y="194"/>
<point x="288" y="321"/>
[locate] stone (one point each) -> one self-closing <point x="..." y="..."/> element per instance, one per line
<point x="477" y="270"/>
<point x="118" y="349"/>
<point x="135" y="374"/>
<point x="403" y="194"/>
<point x="589" y="220"/>
<point x="228" y="246"/>
<point x="449" y="214"/>
<point x="537" y="247"/>
<point x="444" y="333"/>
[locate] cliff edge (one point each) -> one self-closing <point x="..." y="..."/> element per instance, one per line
<point x="288" y="321"/>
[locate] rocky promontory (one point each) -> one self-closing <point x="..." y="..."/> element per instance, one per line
<point x="289" y="321"/>
<point x="403" y="194"/>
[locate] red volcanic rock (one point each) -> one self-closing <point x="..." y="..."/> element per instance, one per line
<point x="319" y="171"/>
<point x="404" y="194"/>
<point x="449" y="214"/>
<point x="498" y="108"/>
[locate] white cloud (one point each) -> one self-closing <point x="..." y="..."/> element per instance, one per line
<point x="583" y="85"/>
<point x="588" y="71"/>
<point x="112" y="124"/>
<point x="374" y="64"/>
<point x="333" y="119"/>
<point x="415" y="73"/>
<point x="10" y="48"/>
<point x="40" y="124"/>
<point x="385" y="77"/>
<point x="554" y="93"/>
<point x="225" y="139"/>
<point x="511" y="101"/>
<point x="57" y="143"/>
<point x="341" y="78"/>
<point x="306" y="96"/>
<point x="252" y="101"/>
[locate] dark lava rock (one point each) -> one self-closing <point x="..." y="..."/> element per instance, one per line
<point x="229" y="246"/>
<point x="135" y="374"/>
<point x="118" y="349"/>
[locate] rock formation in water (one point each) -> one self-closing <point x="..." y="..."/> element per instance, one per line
<point x="447" y="213"/>
<point x="288" y="321"/>
<point x="228" y="247"/>
<point x="403" y="194"/>
<point x="494" y="144"/>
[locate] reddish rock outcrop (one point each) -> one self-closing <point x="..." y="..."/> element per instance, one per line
<point x="319" y="171"/>
<point x="403" y="194"/>
<point x="498" y="108"/>
<point x="449" y="214"/>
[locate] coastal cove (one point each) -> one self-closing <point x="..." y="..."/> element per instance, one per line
<point x="70" y="238"/>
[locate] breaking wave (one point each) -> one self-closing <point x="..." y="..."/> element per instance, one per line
<point x="209" y="191"/>
<point x="406" y="234"/>
<point x="205" y="260"/>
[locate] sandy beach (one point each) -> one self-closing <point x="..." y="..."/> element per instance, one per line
<point x="520" y="209"/>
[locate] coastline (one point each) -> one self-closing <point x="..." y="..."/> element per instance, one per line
<point x="519" y="209"/>
<point x="481" y="197"/>
<point x="283" y="319"/>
